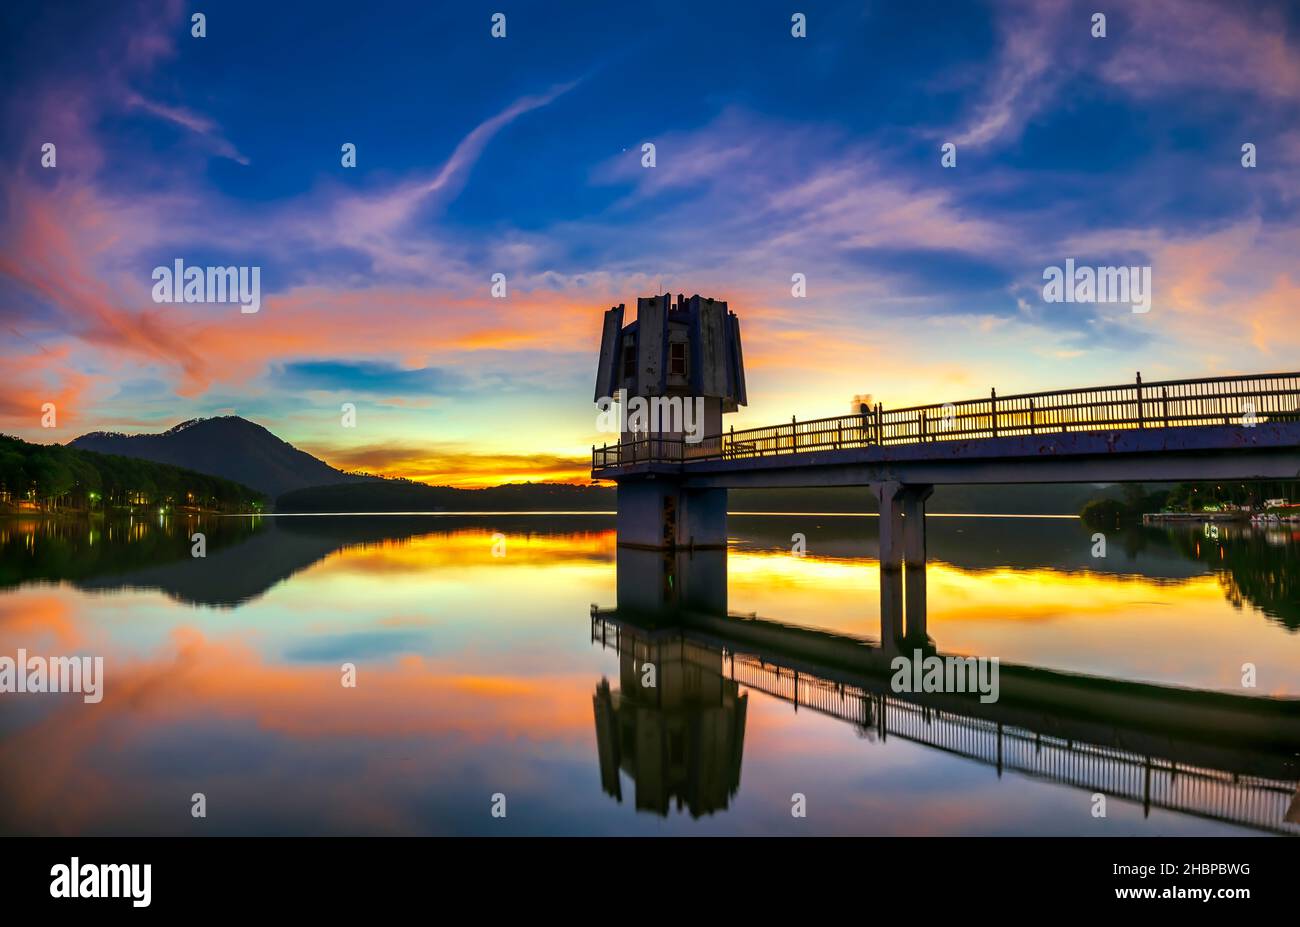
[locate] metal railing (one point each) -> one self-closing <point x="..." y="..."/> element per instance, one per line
<point x="1167" y="404"/>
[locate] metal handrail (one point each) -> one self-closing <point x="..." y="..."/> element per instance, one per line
<point x="1163" y="404"/>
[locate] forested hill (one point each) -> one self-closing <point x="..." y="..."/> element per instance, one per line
<point x="227" y="446"/>
<point x="59" y="478"/>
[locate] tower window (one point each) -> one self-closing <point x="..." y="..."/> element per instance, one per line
<point x="677" y="359"/>
<point x="629" y="361"/>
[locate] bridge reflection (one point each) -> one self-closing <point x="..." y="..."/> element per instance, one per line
<point x="1224" y="757"/>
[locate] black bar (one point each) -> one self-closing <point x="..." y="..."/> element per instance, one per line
<point x="551" y="876"/>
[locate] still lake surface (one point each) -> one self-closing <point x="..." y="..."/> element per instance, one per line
<point x="481" y="669"/>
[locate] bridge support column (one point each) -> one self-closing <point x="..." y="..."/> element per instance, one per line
<point x="913" y="505"/>
<point x="891" y="565"/>
<point x="661" y="514"/>
<point x="655" y="584"/>
<point x="902" y="541"/>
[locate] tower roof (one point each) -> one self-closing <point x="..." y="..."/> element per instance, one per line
<point x="688" y="347"/>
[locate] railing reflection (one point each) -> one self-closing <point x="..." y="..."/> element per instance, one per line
<point x="686" y="739"/>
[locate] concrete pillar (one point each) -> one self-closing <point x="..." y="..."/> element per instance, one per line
<point x="657" y="583"/>
<point x="640" y="513"/>
<point x="660" y="514"/>
<point x="702" y="521"/>
<point x="902" y="541"/>
<point x="912" y="500"/>
<point x="891" y="610"/>
<point x="891" y="565"/>
<point x="891" y="525"/>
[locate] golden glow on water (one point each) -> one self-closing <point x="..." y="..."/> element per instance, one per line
<point x="477" y="670"/>
<point x="1168" y="630"/>
<point x="468" y="548"/>
<point x="1075" y="617"/>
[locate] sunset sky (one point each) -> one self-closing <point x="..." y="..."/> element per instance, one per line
<point x="522" y="155"/>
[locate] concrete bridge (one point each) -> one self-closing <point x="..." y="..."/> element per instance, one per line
<point x="672" y="492"/>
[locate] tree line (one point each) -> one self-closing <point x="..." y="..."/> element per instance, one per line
<point x="62" y="479"/>
<point x="1186" y="497"/>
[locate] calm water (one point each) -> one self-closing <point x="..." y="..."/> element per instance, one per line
<point x="479" y="674"/>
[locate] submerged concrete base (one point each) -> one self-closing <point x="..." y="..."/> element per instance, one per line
<point x="902" y="554"/>
<point x="659" y="514"/>
<point x="659" y="583"/>
<point x="680" y="535"/>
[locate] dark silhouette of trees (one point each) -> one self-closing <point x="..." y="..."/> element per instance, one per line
<point x="58" y="478"/>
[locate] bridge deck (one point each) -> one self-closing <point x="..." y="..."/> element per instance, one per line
<point x="1166" y="430"/>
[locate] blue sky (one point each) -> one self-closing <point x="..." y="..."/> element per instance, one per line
<point x="521" y="155"/>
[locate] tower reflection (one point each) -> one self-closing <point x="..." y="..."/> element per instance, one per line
<point x="675" y="725"/>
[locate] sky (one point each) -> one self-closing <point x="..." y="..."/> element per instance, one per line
<point x="522" y="155"/>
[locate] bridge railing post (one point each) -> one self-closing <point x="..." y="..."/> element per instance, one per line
<point x="1031" y="416"/>
<point x="880" y="433"/>
<point x="993" y="410"/>
<point x="1164" y="403"/>
<point x="1141" y="423"/>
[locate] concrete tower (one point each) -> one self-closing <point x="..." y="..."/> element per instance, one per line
<point x="689" y="350"/>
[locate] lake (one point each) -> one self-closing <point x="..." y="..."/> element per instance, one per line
<point x="500" y="661"/>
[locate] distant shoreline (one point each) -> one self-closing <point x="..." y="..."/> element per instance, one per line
<point x="611" y="513"/>
<point x="83" y="514"/>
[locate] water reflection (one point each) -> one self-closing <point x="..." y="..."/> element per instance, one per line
<point x="679" y="737"/>
<point x="1223" y="757"/>
<point x="1257" y="566"/>
<point x="476" y="674"/>
<point x="246" y="555"/>
<point x="121" y="552"/>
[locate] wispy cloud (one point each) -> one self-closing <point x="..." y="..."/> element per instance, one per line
<point x="1027" y="72"/>
<point x="193" y="122"/>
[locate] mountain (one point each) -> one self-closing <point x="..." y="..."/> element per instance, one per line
<point x="226" y="446"/>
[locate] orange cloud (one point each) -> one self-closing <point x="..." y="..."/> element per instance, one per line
<point x="462" y="469"/>
<point x="55" y="239"/>
<point x="25" y="392"/>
